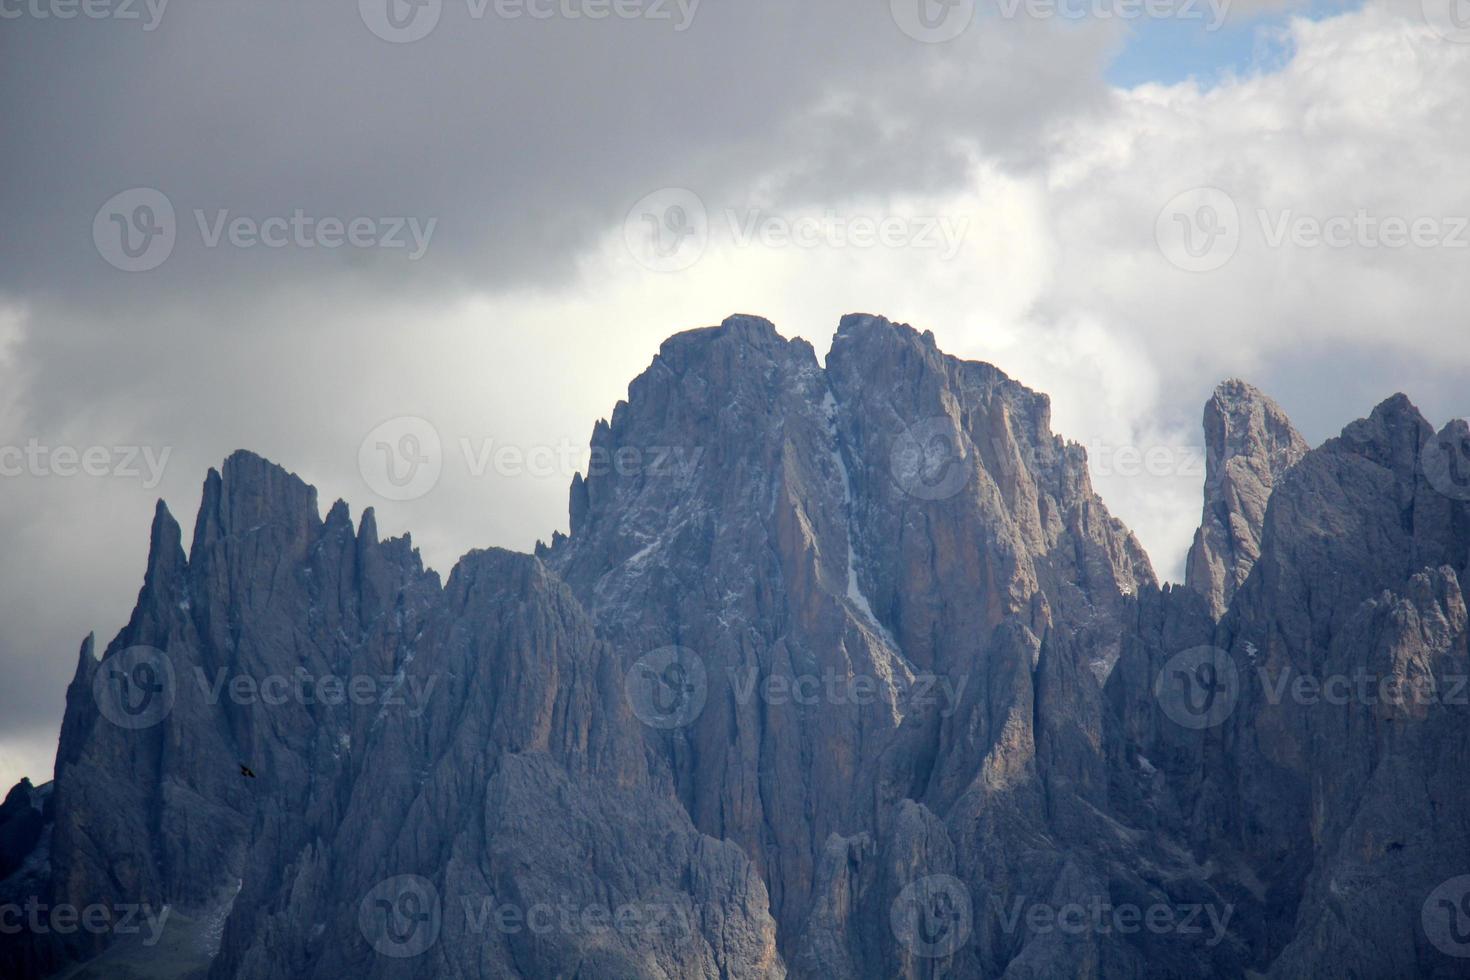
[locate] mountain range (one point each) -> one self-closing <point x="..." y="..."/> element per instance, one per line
<point x="842" y="670"/>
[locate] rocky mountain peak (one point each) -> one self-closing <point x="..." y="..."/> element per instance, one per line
<point x="1241" y="420"/>
<point x="843" y="671"/>
<point x="1249" y="444"/>
<point x="249" y="493"/>
<point x="866" y="327"/>
<point x="23" y="818"/>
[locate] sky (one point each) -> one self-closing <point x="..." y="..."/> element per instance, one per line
<point x="311" y="230"/>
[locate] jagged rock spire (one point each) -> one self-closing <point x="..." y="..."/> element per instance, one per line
<point x="1249" y="444"/>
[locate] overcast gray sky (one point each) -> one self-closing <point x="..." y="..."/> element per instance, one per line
<point x="1025" y="185"/>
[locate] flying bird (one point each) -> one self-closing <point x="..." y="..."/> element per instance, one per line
<point x="246" y="771"/>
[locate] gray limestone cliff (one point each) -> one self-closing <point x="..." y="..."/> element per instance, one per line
<point x="843" y="670"/>
<point x="1249" y="445"/>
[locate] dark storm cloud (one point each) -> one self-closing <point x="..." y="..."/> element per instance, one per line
<point x="522" y="137"/>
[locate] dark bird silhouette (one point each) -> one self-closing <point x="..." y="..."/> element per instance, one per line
<point x="246" y="771"/>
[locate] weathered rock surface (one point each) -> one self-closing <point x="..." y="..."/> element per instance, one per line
<point x="1249" y="445"/>
<point x="24" y="817"/>
<point x="1328" y="799"/>
<point x="842" y="671"/>
<point x="489" y="708"/>
<point x="902" y="521"/>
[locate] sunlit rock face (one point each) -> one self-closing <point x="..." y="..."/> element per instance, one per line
<point x="1249" y="445"/>
<point x="842" y="671"/>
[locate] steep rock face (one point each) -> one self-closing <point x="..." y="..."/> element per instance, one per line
<point x="522" y="786"/>
<point x="27" y="821"/>
<point x="735" y="548"/>
<point x="1390" y="820"/>
<point x="996" y="568"/>
<point x="25" y="818"/>
<point x="153" y="807"/>
<point x="1358" y="589"/>
<point x="312" y="718"/>
<point x="842" y="671"/>
<point x="902" y="523"/>
<point x="1318" y="783"/>
<point x="1249" y="444"/>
